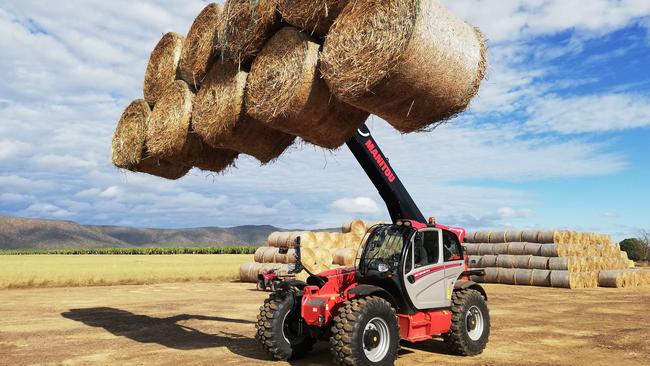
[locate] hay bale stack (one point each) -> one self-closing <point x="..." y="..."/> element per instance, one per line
<point x="169" y="133"/>
<point x="285" y="92"/>
<point x="506" y="276"/>
<point x="513" y="236"/>
<point x="313" y="16"/>
<point x="246" y="26"/>
<point x="162" y="69"/>
<point x="220" y="117"/>
<point x="420" y="64"/>
<point x="129" y="137"/>
<point x="541" y="277"/>
<point x="358" y="227"/>
<point x="344" y="257"/>
<point x="523" y="277"/>
<point x="198" y="52"/>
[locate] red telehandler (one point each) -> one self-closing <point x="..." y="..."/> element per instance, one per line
<point x="411" y="282"/>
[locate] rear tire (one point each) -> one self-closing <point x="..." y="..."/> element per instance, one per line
<point x="470" y="323"/>
<point x="365" y="332"/>
<point x="280" y="328"/>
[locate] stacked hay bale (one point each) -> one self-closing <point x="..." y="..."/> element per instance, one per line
<point x="252" y="75"/>
<point x="565" y="259"/>
<point x="320" y="251"/>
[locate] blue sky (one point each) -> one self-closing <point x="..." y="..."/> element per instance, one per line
<point x="557" y="138"/>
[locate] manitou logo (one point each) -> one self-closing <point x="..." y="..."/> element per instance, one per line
<point x="381" y="162"/>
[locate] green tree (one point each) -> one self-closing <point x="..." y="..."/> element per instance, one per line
<point x="635" y="248"/>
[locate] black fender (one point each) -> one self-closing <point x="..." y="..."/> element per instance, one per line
<point x="370" y="290"/>
<point x="463" y="285"/>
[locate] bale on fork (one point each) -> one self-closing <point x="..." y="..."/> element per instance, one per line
<point x="198" y="52"/>
<point x="220" y="118"/>
<point x="286" y="93"/>
<point x="420" y="65"/>
<point x="170" y="137"/>
<point x="162" y="69"/>
<point x="245" y="28"/>
<point x="313" y="16"/>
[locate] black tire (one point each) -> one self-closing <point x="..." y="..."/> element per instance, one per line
<point x="347" y="342"/>
<point x="279" y="317"/>
<point x="459" y="338"/>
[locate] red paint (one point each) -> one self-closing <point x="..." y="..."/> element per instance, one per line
<point x="422" y="326"/>
<point x="320" y="304"/>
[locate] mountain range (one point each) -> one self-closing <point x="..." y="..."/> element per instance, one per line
<point x="22" y="233"/>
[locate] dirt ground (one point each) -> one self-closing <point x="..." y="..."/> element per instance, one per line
<point x="213" y="323"/>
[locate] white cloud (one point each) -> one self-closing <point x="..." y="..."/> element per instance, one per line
<point x="12" y="148"/>
<point x="363" y="205"/>
<point x="46" y="210"/>
<point x="589" y="113"/>
<point x="61" y="162"/>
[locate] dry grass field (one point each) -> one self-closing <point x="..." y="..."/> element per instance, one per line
<point x="25" y="271"/>
<point x="213" y="323"/>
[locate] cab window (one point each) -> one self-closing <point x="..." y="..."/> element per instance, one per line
<point x="426" y="248"/>
<point x="451" y="247"/>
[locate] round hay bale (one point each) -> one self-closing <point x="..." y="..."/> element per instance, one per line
<point x="269" y="255"/>
<point x="198" y="49"/>
<point x="489" y="261"/>
<point x="529" y="236"/>
<point x="560" y="264"/>
<point x="513" y="236"/>
<point x="533" y="249"/>
<point x="523" y="277"/>
<point x="245" y="27"/>
<point x="541" y="277"/>
<point x="169" y="133"/>
<point x="286" y="92"/>
<point x="469" y="237"/>
<point x="162" y="69"/>
<point x="498" y="237"/>
<point x="248" y="272"/>
<point x="501" y="248"/>
<point x="486" y="249"/>
<point x="523" y="261"/>
<point x="313" y="16"/>
<point x="506" y="276"/>
<point x="517" y="248"/>
<point x="291" y="256"/>
<point x="612" y="279"/>
<point x="323" y="256"/>
<point x="338" y="241"/>
<point x="344" y="257"/>
<point x="482" y="237"/>
<point x="161" y="168"/>
<point x="169" y="123"/>
<point x="563" y="279"/>
<point x="550" y="250"/>
<point x="129" y="137"/>
<point x="506" y="261"/>
<point x="491" y="275"/>
<point x="472" y="249"/>
<point x="272" y="239"/>
<point x="546" y="237"/>
<point x="259" y="254"/>
<point x="537" y="262"/>
<point x="220" y="117"/>
<point x="308" y="240"/>
<point x="411" y="62"/>
<point x="324" y="240"/>
<point x="358" y="227"/>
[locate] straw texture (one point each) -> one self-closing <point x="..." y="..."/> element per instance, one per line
<point x="420" y="65"/>
<point x="220" y="117"/>
<point x="199" y="47"/>
<point x="162" y="69"/>
<point x="246" y="26"/>
<point x="129" y="137"/>
<point x="286" y="93"/>
<point x="313" y="16"/>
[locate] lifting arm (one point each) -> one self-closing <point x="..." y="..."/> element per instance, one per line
<point x="398" y="201"/>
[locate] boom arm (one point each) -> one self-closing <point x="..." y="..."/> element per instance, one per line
<point x="398" y="201"/>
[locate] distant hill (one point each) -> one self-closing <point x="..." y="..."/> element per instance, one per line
<point x="20" y="233"/>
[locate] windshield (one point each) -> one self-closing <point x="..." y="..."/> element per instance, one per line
<point x="384" y="246"/>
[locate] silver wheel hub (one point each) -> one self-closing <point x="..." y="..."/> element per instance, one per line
<point x="376" y="339"/>
<point x="474" y="323"/>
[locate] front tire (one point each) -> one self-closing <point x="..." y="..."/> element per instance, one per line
<point x="470" y="323"/>
<point x="280" y="328"/>
<point x="365" y="332"/>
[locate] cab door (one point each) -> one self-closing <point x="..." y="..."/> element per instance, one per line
<point x="424" y="270"/>
<point x="454" y="260"/>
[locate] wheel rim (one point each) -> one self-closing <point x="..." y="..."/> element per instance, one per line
<point x="474" y="323"/>
<point x="376" y="339"/>
<point x="292" y="331"/>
